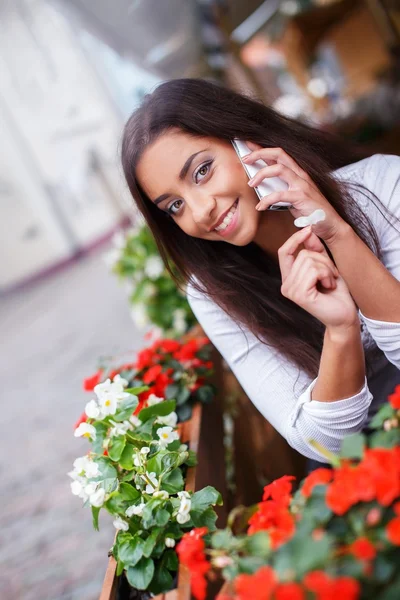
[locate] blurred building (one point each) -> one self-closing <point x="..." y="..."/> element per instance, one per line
<point x="61" y="116"/>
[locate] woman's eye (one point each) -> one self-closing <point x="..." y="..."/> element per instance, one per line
<point x="170" y="209"/>
<point x="203" y="170"/>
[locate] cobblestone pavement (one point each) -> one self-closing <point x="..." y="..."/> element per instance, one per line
<point x="51" y="337"/>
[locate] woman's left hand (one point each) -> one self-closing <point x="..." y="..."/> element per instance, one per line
<point x="302" y="193"/>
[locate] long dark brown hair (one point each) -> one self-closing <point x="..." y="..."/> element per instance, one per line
<point x="243" y="280"/>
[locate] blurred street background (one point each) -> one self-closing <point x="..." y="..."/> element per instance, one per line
<point x="71" y="73"/>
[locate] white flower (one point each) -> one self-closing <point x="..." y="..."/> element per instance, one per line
<point x="119" y="428"/>
<point x="183" y="515"/>
<point x="77" y="488"/>
<point x="97" y="498"/>
<point x="183" y="494"/>
<point x="185" y="506"/>
<point x="92" y="409"/>
<point x="154" y="267"/>
<point x="119" y="239"/>
<point x="85" y="467"/>
<point x="136" y="461"/>
<point x="139" y="315"/>
<point x="178" y="320"/>
<point x="85" y="430"/>
<point x="145" y="450"/>
<point x="149" y="290"/>
<point x="170" y="420"/>
<point x="90" y="488"/>
<point x="106" y="389"/>
<point x="153" y="399"/>
<point x="166" y="435"/>
<point x="111" y="257"/>
<point x="108" y="405"/>
<point x="169" y="542"/>
<point x="161" y="494"/>
<point x="150" y="489"/>
<point x="135" y="420"/>
<point x="181" y="519"/>
<point x="135" y="509"/>
<point x="121" y="380"/>
<point x="120" y="524"/>
<point x="183" y="447"/>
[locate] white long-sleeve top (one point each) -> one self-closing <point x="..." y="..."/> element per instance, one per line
<point x="277" y="387"/>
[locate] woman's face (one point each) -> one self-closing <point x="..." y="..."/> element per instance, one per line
<point x="198" y="181"/>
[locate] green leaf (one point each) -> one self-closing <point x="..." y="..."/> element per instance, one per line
<point x="206" y="518"/>
<point x="385" y="439"/>
<point x="206" y="497"/>
<point x="126" y="408"/>
<point x="170" y="560"/>
<point x="95" y="517"/>
<point x="184" y="412"/>
<point x="131" y="551"/>
<point x="161" y="409"/>
<point x="151" y="541"/>
<point x="205" y="394"/>
<point x="385" y="412"/>
<point x="120" y="568"/>
<point x="192" y="459"/>
<point x="250" y="564"/>
<point x="353" y="446"/>
<point x="171" y="391"/>
<point x="116" y="448"/>
<point x="137" y="390"/>
<point x="183" y="396"/>
<point x="258" y="544"/>
<point x="101" y="431"/>
<point x="128" y="492"/>
<point x="140" y="575"/>
<point x="126" y="458"/>
<point x="173" y="482"/>
<point x="162" y="517"/>
<point x="107" y="469"/>
<point x="222" y="540"/>
<point x="162" y="580"/>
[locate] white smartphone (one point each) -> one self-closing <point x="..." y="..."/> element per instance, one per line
<point x="271" y="184"/>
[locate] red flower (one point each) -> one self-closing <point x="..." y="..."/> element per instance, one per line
<point x="197" y="384"/>
<point x="396" y="508"/>
<point x="144" y="359"/>
<point x="394" y="398"/>
<point x="289" y="591"/>
<point x="362" y="549"/>
<point x="151" y="375"/>
<point x="90" y="382"/>
<point x="317" y="477"/>
<point x="82" y="419"/>
<point x="259" y="586"/>
<point x="167" y="346"/>
<point x="191" y="553"/>
<point x="393" y="531"/>
<point x="275" y="518"/>
<point x="326" y="588"/>
<point x="280" y="489"/>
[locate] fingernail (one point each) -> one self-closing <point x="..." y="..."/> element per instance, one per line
<point x="258" y="207"/>
<point x="250" y="182"/>
<point x="245" y="157"/>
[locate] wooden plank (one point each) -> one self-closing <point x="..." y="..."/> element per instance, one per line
<point x="109" y="589"/>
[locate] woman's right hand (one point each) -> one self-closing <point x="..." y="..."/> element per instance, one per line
<point x="330" y="302"/>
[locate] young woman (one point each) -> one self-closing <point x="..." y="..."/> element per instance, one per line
<point x="308" y="319"/>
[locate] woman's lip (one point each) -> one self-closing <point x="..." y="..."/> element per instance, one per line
<point x="232" y="224"/>
<point x="223" y="216"/>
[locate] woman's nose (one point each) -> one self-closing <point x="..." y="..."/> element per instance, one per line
<point x="204" y="211"/>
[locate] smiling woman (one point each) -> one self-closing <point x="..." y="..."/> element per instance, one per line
<point x="289" y="310"/>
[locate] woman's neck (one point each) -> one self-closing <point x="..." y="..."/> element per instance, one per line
<point x="274" y="229"/>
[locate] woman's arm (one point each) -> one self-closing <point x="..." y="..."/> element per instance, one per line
<point x="374" y="289"/>
<point x="342" y="368"/>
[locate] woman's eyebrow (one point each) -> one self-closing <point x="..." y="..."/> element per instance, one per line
<point x="182" y="174"/>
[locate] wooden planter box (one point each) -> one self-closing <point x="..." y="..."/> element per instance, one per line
<point x="204" y="434"/>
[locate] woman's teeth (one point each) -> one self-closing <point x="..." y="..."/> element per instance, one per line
<point x="227" y="219"/>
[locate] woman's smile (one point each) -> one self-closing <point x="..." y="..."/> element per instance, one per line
<point x="229" y="223"/>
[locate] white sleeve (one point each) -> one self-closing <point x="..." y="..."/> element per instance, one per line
<point x="280" y="391"/>
<point x="383" y="178"/>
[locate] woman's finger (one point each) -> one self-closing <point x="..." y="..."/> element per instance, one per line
<point x="308" y="261"/>
<point x="324" y="273"/>
<point x="287" y="250"/>
<point x="277" y="170"/>
<point x="299" y="287"/>
<point x="276" y="155"/>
